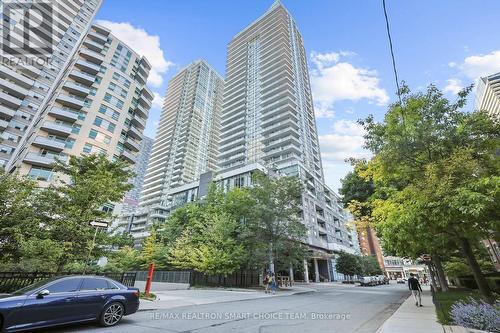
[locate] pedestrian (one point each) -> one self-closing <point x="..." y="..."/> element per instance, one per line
<point x="266" y="281"/>
<point x="416" y="289"/>
<point x="273" y="283"/>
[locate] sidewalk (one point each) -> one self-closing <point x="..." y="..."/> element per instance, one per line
<point x="411" y="319"/>
<point x="177" y="298"/>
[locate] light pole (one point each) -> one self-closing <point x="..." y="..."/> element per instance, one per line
<point x="96" y="225"/>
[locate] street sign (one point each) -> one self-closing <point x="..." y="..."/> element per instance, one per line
<point x="99" y="224"/>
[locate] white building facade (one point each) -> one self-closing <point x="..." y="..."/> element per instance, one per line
<point x="100" y="105"/>
<point x="488" y="95"/>
<point x="268" y="118"/>
<point x="185" y="145"/>
<point x="28" y="76"/>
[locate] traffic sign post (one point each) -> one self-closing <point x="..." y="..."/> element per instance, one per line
<point x="96" y="225"/>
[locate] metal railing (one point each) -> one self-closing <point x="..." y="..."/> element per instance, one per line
<point x="12" y="281"/>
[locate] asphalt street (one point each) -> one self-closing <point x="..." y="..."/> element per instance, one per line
<point x="333" y="308"/>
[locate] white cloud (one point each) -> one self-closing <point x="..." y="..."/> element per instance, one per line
<point x="157" y="100"/>
<point x="453" y="86"/>
<point x="323" y="110"/>
<point x="333" y="80"/>
<point x="348" y="127"/>
<point x="346" y="140"/>
<point x="480" y="65"/>
<point x="144" y="44"/>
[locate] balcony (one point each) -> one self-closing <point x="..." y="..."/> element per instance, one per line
<point x="96" y="47"/>
<point x="3" y="124"/>
<point x="13" y="88"/>
<point x="139" y="109"/>
<point x="55" y="128"/>
<point x="131" y="144"/>
<point x="36" y="159"/>
<point x="6" y="112"/>
<point x="82" y="77"/>
<point x="87" y="66"/>
<point x="97" y="37"/>
<point x="70" y="101"/>
<point x="138" y="122"/>
<point x="9" y="100"/>
<point x="48" y="143"/>
<point x="63" y="114"/>
<point x="17" y="77"/>
<point x="76" y="88"/>
<point x="128" y="156"/>
<point x="134" y="132"/>
<point x="94" y="57"/>
<point x="145" y="101"/>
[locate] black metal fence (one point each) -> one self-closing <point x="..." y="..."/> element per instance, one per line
<point x="240" y="279"/>
<point x="165" y="276"/>
<point x="11" y="281"/>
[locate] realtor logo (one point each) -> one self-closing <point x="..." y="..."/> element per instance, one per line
<point x="27" y="29"/>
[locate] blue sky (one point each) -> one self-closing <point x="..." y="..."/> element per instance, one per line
<point x="448" y="42"/>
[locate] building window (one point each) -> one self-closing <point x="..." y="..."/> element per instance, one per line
<point x="87" y="149"/>
<point x="40" y="173"/>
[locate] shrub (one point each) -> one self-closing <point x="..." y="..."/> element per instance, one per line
<point x="477" y="315"/>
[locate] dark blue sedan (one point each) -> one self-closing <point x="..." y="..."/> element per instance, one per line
<point x="67" y="300"/>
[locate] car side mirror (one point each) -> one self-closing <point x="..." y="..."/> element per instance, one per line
<point x="43" y="293"/>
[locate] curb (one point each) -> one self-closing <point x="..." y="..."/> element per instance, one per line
<point x="238" y="300"/>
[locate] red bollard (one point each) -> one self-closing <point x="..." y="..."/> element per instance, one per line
<point x="150" y="278"/>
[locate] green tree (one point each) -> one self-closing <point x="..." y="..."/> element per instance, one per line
<point x="85" y="184"/>
<point x="348" y="264"/>
<point x="125" y="259"/>
<point x="153" y="251"/>
<point x="209" y="245"/>
<point x="274" y="219"/>
<point x="370" y="266"/>
<point x="435" y="173"/>
<point x="19" y="218"/>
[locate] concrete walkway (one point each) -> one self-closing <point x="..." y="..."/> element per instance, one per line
<point x="409" y="318"/>
<point x="177" y="298"/>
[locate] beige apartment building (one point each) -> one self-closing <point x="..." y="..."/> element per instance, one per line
<point x="100" y="105"/>
<point x="28" y="76"/>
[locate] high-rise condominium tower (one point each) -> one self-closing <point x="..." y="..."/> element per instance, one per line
<point x="100" y="105"/>
<point x="28" y="75"/>
<point x="268" y="118"/>
<point x="488" y="95"/>
<point x="130" y="201"/>
<point x="268" y="113"/>
<point x="186" y="140"/>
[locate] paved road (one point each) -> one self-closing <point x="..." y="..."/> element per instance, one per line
<point x="333" y="308"/>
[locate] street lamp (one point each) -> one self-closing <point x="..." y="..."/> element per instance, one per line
<point x="96" y="225"/>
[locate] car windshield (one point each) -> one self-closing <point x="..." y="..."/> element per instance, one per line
<point x="33" y="286"/>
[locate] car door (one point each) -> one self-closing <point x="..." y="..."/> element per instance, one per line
<point x="59" y="306"/>
<point x="92" y="296"/>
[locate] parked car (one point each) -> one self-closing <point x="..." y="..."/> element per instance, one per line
<point x="67" y="300"/>
<point x="400" y="280"/>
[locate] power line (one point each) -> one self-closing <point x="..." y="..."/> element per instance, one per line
<point x="392" y="52"/>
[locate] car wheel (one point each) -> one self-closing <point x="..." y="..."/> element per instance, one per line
<point x="112" y="314"/>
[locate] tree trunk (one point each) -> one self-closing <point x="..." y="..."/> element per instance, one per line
<point x="431" y="274"/>
<point x="482" y="284"/>
<point x="440" y="272"/>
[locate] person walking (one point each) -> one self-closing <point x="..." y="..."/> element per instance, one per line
<point x="273" y="283"/>
<point x="415" y="288"/>
<point x="266" y="281"/>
